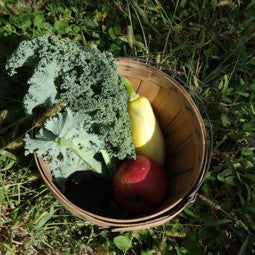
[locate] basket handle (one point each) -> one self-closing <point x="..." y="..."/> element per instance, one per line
<point x="191" y="196"/>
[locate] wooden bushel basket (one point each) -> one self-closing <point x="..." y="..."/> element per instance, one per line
<point x="187" y="155"/>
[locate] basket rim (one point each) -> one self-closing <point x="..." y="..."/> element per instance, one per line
<point x="107" y="221"/>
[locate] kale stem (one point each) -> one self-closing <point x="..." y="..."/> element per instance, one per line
<point x="130" y="90"/>
<point x="63" y="142"/>
<point x="106" y="158"/>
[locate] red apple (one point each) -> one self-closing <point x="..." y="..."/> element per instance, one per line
<point x="139" y="185"/>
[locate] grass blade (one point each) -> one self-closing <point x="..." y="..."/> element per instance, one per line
<point x="244" y="247"/>
<point x="45" y="218"/>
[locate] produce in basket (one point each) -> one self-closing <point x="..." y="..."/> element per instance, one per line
<point x="94" y="120"/>
<point x="94" y="132"/>
<point x="139" y="185"/>
<point x="147" y="135"/>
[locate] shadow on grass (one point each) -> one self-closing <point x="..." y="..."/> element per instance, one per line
<point x="12" y="91"/>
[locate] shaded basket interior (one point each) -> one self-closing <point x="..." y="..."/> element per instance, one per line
<point x="184" y="134"/>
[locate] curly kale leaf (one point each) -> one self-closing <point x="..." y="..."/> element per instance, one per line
<point x="84" y="78"/>
<point x="42" y="90"/>
<point x="66" y="146"/>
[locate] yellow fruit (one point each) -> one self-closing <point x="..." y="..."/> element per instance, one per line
<point x="147" y="136"/>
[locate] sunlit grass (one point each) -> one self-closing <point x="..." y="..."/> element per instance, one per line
<point x="209" y="44"/>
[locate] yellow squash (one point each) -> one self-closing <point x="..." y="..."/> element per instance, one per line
<point x="147" y="136"/>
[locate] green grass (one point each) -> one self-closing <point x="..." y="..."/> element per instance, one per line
<point x="210" y="45"/>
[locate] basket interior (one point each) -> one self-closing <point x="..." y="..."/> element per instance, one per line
<point x="184" y="134"/>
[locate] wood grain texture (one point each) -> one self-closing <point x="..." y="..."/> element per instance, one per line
<point x="149" y="90"/>
<point x="165" y="108"/>
<point x="183" y="158"/>
<point x="177" y="132"/>
<point x="134" y="82"/>
<point x="180" y="183"/>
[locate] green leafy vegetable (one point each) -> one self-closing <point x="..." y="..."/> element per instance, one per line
<point x="87" y="81"/>
<point x="65" y="144"/>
